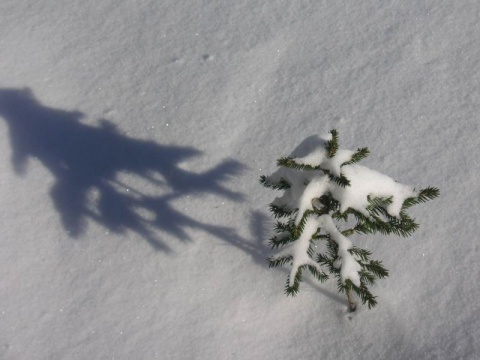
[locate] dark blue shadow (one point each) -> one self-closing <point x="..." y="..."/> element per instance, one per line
<point x="84" y="158"/>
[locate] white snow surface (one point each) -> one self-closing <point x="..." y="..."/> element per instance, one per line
<point x="132" y="137"/>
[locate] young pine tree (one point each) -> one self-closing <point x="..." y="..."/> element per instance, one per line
<point x="323" y="189"/>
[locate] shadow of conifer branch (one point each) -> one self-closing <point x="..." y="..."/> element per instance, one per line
<point x="85" y="159"/>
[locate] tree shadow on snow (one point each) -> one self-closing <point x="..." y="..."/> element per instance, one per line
<point x="86" y="160"/>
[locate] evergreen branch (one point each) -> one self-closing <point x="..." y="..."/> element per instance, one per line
<point x="282" y="184"/>
<point x="361" y="154"/>
<point x="341" y="181"/>
<point x="365" y="295"/>
<point x="281" y="211"/>
<point x="322" y="259"/>
<point x="348" y="232"/>
<point x="373" y="224"/>
<point x="377" y="204"/>
<point x="301" y="225"/>
<point x="343" y="286"/>
<point x="319" y="275"/>
<point x="328" y="262"/>
<point x="424" y="195"/>
<point x="406" y="226"/>
<point x="293" y="290"/>
<point x="320" y="208"/>
<point x="367" y="277"/>
<point x="402" y="226"/>
<point x="332" y="248"/>
<point x="290" y="163"/>
<point x="332" y="144"/>
<point x="319" y="236"/>
<point x="310" y="251"/>
<point x="329" y="203"/>
<point x="365" y="225"/>
<point x="362" y="254"/>
<point x="281" y="227"/>
<point x="274" y="262"/>
<point x="362" y="292"/>
<point x="376" y="268"/>
<point x="337" y="215"/>
<point x="276" y="241"/>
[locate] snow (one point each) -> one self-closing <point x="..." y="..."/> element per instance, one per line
<point x="306" y="186"/>
<point x="313" y="159"/>
<point x="349" y="267"/>
<point x="315" y="188"/>
<point x="300" y="247"/>
<point x="333" y="165"/>
<point x="365" y="182"/>
<point x="161" y="116"/>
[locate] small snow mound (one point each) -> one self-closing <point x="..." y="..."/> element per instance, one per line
<point x="365" y="182"/>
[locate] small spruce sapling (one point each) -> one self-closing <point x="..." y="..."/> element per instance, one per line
<point x="324" y="187"/>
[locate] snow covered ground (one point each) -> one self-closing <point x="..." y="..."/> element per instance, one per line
<point x="132" y="137"/>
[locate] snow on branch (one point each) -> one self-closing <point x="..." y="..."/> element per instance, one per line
<point x="323" y="185"/>
<point x="350" y="268"/>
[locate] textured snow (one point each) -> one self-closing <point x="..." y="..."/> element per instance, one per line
<point x="170" y="263"/>
<point x="365" y="182"/>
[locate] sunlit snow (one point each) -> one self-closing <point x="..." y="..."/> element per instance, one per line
<point x="132" y="134"/>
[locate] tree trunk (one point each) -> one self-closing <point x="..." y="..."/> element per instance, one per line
<point x="352" y="305"/>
